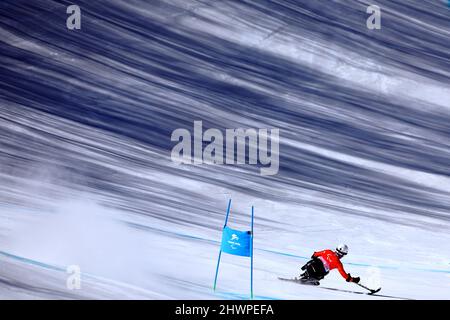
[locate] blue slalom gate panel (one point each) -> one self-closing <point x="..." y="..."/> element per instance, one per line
<point x="236" y="242"/>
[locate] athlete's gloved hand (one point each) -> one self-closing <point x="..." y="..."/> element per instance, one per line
<point x="355" y="280"/>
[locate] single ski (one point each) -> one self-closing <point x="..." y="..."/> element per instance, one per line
<point x="307" y="283"/>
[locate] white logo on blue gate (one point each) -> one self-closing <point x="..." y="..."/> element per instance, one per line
<point x="232" y="242"/>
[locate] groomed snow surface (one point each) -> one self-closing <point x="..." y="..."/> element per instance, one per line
<point x="121" y="256"/>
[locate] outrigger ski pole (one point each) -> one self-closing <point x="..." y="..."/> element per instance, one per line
<point x="372" y="291"/>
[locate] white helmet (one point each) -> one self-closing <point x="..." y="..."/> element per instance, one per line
<point x="342" y="250"/>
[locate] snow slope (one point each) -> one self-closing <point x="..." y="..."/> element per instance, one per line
<point x="86" y="175"/>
